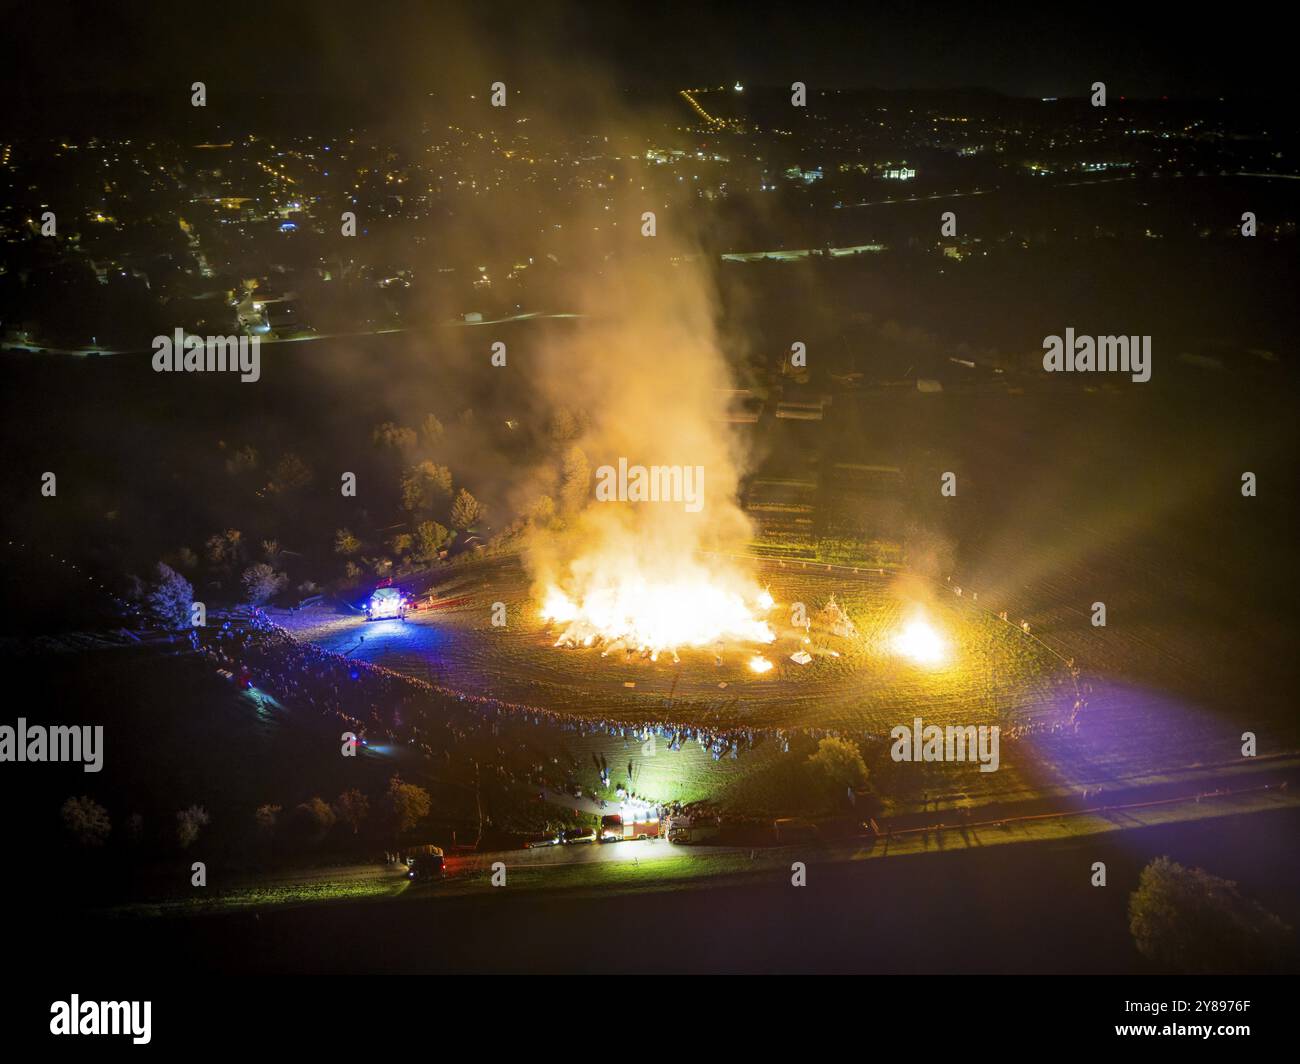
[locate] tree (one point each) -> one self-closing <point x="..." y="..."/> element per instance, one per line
<point x="840" y="763"/>
<point x="135" y="829"/>
<point x="1186" y="920"/>
<point x="352" y="807"/>
<point x="245" y="458"/>
<point x="425" y="486"/>
<point x="541" y="512"/>
<point x="170" y="598"/>
<point x="564" y="425"/>
<point x="346" y="543"/>
<point x="465" y="511"/>
<point x="226" y="549"/>
<point x="311" y="820"/>
<point x="430" y="538"/>
<point x="390" y="434"/>
<point x="432" y="432"/>
<point x="575" y="481"/>
<point x="407" y="804"/>
<point x="290" y="474"/>
<point x="189" y="822"/>
<point x="87" y="821"/>
<point x="266" y="817"/>
<point x="262" y="583"/>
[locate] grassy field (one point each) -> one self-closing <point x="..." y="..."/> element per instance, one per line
<point x="992" y="671"/>
<point x="993" y="674"/>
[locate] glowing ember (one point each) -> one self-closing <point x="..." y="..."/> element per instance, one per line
<point x="637" y="613"/>
<point x="759" y="665"/>
<point x="921" y="643"/>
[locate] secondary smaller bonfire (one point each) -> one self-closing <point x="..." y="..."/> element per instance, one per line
<point x="835" y="619"/>
<point x="920" y="642"/>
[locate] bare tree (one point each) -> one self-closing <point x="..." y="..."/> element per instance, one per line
<point x="189" y="822"/>
<point x="575" y="481"/>
<point x="346" y="543"/>
<point x="87" y="820"/>
<point x="170" y="598"/>
<point x="266" y="817"/>
<point x="262" y="583"/>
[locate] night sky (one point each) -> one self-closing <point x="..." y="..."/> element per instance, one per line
<point x="350" y="50"/>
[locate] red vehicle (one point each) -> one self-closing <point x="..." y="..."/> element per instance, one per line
<point x="641" y="824"/>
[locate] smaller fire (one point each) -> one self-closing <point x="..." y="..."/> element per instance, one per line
<point x="759" y="664"/>
<point x="920" y="642"/>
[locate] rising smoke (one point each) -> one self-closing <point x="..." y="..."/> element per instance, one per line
<point x="652" y="379"/>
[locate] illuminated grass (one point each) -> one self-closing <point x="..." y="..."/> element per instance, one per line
<point x="994" y="671"/>
<point x="263" y="896"/>
<point x="992" y="674"/>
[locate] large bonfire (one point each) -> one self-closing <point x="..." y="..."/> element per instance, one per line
<point x="693" y="606"/>
<point x="636" y="572"/>
<point x="653" y="578"/>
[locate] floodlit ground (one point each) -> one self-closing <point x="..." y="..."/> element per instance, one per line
<point x="990" y="671"/>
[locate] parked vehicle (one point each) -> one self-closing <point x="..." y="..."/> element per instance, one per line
<point x="384" y="603"/>
<point x="579" y="835"/>
<point x="618" y="827"/>
<point x="685" y="831"/>
<point x="549" y="840"/>
<point x="795" y="829"/>
<point x="425" y="864"/>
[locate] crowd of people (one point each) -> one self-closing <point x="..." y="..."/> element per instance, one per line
<point x="375" y="701"/>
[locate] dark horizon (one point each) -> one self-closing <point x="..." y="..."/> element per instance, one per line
<point x="395" y="55"/>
